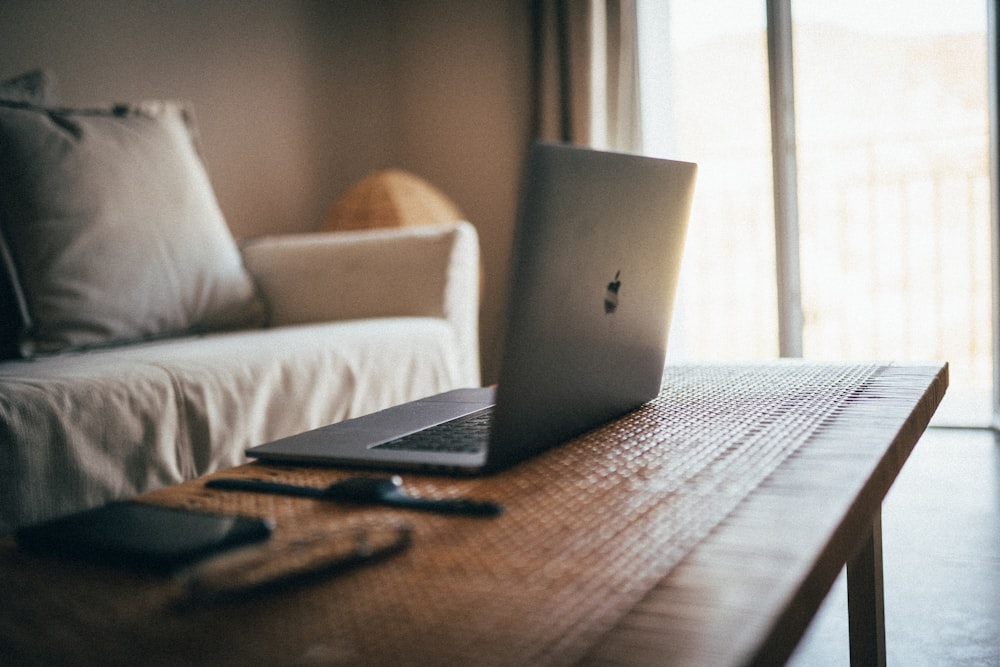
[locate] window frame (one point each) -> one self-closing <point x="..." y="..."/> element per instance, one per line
<point x="993" y="84"/>
<point x="785" y="181"/>
<point x="784" y="166"/>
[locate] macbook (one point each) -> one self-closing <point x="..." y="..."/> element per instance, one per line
<point x="596" y="257"/>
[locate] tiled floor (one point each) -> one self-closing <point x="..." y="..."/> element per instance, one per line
<point x="941" y="557"/>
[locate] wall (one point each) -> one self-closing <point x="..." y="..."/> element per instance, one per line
<point x="268" y="81"/>
<point x="463" y="89"/>
<point x="296" y="99"/>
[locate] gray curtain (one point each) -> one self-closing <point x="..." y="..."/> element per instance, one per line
<point x="586" y="83"/>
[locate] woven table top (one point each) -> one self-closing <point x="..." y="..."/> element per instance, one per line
<point x="589" y="529"/>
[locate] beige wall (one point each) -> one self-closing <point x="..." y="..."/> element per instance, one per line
<point x="296" y="99"/>
<point x="463" y="87"/>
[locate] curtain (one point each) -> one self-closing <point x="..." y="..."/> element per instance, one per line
<point x="585" y="73"/>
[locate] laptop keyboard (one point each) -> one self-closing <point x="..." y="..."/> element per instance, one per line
<point x="468" y="434"/>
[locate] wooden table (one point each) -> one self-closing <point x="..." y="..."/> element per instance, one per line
<point x="705" y="529"/>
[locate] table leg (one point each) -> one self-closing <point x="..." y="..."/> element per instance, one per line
<point x="865" y="599"/>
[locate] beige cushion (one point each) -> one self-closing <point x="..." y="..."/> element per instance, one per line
<point x="112" y="230"/>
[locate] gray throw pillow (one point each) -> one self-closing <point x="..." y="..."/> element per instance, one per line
<point x="35" y="87"/>
<point x="112" y="230"/>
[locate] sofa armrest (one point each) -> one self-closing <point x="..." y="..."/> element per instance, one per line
<point x="408" y="272"/>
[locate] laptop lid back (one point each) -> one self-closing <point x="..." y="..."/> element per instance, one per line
<point x="593" y="278"/>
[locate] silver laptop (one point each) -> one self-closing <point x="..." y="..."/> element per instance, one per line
<point x="596" y="258"/>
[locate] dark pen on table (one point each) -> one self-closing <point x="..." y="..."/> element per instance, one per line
<point x="365" y="491"/>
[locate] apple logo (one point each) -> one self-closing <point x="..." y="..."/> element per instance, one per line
<point x="611" y="297"/>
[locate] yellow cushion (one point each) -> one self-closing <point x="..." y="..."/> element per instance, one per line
<point x="391" y="198"/>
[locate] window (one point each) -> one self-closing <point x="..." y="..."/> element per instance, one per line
<point x="890" y="175"/>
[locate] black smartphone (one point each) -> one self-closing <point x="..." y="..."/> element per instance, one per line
<point x="141" y="536"/>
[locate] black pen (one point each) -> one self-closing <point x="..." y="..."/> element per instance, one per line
<point x="365" y="491"/>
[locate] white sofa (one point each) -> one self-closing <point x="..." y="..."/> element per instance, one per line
<point x="360" y="321"/>
<point x="141" y="346"/>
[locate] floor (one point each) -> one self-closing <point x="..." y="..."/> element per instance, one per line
<point x="941" y="559"/>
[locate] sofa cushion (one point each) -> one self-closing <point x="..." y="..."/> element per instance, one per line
<point x="112" y="230"/>
<point x="35" y="87"/>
